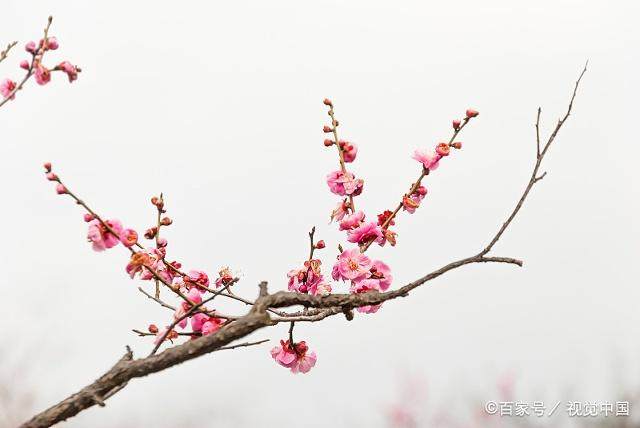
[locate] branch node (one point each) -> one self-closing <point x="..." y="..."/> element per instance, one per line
<point x="264" y="292"/>
<point x="348" y="313"/>
<point x="540" y="177"/>
<point x="98" y="400"/>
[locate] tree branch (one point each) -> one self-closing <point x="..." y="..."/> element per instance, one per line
<point x="258" y="317"/>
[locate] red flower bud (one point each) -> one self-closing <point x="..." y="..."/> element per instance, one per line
<point x="51" y="176"/>
<point x="151" y="233"/>
<point x="328" y="142"/>
<point x="457" y="145"/>
<point x="421" y="190"/>
<point x="153" y="328"/>
<point x="60" y="189"/>
<point x="166" y="221"/>
<point x="456" y="124"/>
<point x="320" y="245"/>
<point x="327" y="129"/>
<point x="155" y="200"/>
<point x="472" y="113"/>
<point x="47" y="166"/>
<point x="442" y="149"/>
<point x="327" y="102"/>
<point x="88" y="217"/>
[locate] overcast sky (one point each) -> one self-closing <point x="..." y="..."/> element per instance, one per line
<point x="219" y="106"/>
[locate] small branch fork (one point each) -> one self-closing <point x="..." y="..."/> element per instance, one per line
<point x="316" y="308"/>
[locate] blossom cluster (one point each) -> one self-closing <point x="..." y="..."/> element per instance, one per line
<point x="35" y="67"/>
<point x="151" y="264"/>
<point x="352" y="266"/>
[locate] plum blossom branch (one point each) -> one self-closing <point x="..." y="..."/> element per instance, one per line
<point x="317" y="305"/>
<point x="430" y="161"/>
<point x="35" y="67"/>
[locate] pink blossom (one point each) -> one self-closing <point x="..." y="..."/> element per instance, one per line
<point x="224" y="277"/>
<point x="42" y="75"/>
<point x="194" y="297"/>
<point x="351" y="264"/>
<point x="307" y="279"/>
<point x="364" y="286"/>
<point x="7" y="87"/>
<point x="128" y="237"/>
<point x="369" y="309"/>
<point x="100" y="237"/>
<point x="369" y="232"/>
<point x="382" y="273"/>
<point x="136" y="263"/>
<point x="24" y="64"/>
<point x="410" y="203"/>
<point x="428" y="158"/>
<point x="151" y="258"/>
<point x="60" y="189"/>
<point x="198" y="278"/>
<point x="295" y="357"/>
<point x="340" y="211"/>
<point x="344" y="183"/>
<point x="352" y="221"/>
<point x="443" y="149"/>
<point x="349" y="151"/>
<point x="320" y="289"/>
<point x="335" y="272"/>
<point x="198" y="320"/>
<point x="211" y="325"/>
<point x="70" y="69"/>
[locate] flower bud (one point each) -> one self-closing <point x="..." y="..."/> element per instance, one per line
<point x="151" y="233"/>
<point x="88" y="217"/>
<point x="328" y="143"/>
<point x="162" y="242"/>
<point x="421" y="190"/>
<point x="320" y="245"/>
<point x="327" y="129"/>
<point x="24" y="64"/>
<point x="30" y="47"/>
<point x="51" y="176"/>
<point x="52" y="43"/>
<point x="166" y="221"/>
<point x="472" y="113"/>
<point x="47" y="166"/>
<point x="442" y="149"/>
<point x="60" y="189"/>
<point x="457" y="145"/>
<point x="456" y="124"/>
<point x="153" y="328"/>
<point x="327" y="102"/>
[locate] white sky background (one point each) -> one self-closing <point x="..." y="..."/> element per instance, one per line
<point x="219" y="105"/>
